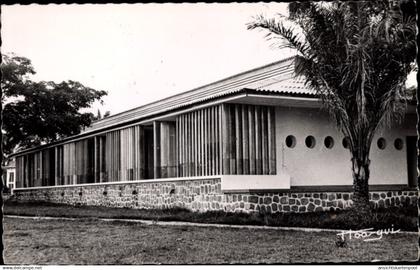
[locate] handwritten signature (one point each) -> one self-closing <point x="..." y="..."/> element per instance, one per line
<point x="366" y="234"/>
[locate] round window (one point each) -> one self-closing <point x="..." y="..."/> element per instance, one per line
<point x="346" y="142"/>
<point x="310" y="141"/>
<point x="329" y="142"/>
<point x="291" y="141"/>
<point x="398" y="144"/>
<point x="381" y="143"/>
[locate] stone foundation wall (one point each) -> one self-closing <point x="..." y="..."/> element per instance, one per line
<point x="205" y="195"/>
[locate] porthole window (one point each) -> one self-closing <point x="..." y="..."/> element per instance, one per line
<point x="329" y="142"/>
<point x="381" y="143"/>
<point x="398" y="144"/>
<point x="346" y="142"/>
<point x="310" y="141"/>
<point x="291" y="141"/>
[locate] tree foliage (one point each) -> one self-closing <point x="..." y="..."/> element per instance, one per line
<point x="40" y="112"/>
<point x="356" y="56"/>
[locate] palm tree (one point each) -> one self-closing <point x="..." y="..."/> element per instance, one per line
<point x="356" y="56"/>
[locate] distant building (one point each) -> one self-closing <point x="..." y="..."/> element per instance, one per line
<point x="9" y="172"/>
<point x="256" y="141"/>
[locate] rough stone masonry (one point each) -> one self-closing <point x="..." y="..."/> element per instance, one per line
<point x="205" y="195"/>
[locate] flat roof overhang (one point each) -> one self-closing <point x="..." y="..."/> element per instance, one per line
<point x="277" y="99"/>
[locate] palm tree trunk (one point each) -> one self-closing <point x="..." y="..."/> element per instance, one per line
<point x="1" y="226"/>
<point x="1" y="183"/>
<point x="361" y="174"/>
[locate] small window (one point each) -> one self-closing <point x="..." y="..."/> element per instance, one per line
<point x="398" y="144"/>
<point x="291" y="141"/>
<point x="329" y="142"/>
<point x="346" y="142"/>
<point x="310" y="141"/>
<point x="381" y="143"/>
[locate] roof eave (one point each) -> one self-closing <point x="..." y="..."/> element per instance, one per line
<point x="178" y="110"/>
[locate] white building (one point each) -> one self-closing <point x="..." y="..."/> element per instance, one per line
<point x="260" y="136"/>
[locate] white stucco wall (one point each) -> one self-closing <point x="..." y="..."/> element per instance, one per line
<point x="321" y="166"/>
<point x="255" y="182"/>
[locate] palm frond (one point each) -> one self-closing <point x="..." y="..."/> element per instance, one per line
<point x="355" y="55"/>
<point x="288" y="34"/>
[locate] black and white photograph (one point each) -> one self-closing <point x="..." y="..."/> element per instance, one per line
<point x="266" y="133"/>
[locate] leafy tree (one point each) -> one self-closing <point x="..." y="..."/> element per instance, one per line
<point x="37" y="112"/>
<point x="356" y="56"/>
<point x="40" y="112"/>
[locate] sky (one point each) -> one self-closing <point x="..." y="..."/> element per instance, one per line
<point x="139" y="53"/>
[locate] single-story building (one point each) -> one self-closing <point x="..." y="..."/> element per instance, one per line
<point x="9" y="172"/>
<point x="255" y="141"/>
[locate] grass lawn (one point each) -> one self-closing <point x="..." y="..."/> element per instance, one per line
<point x="404" y="218"/>
<point x="89" y="241"/>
